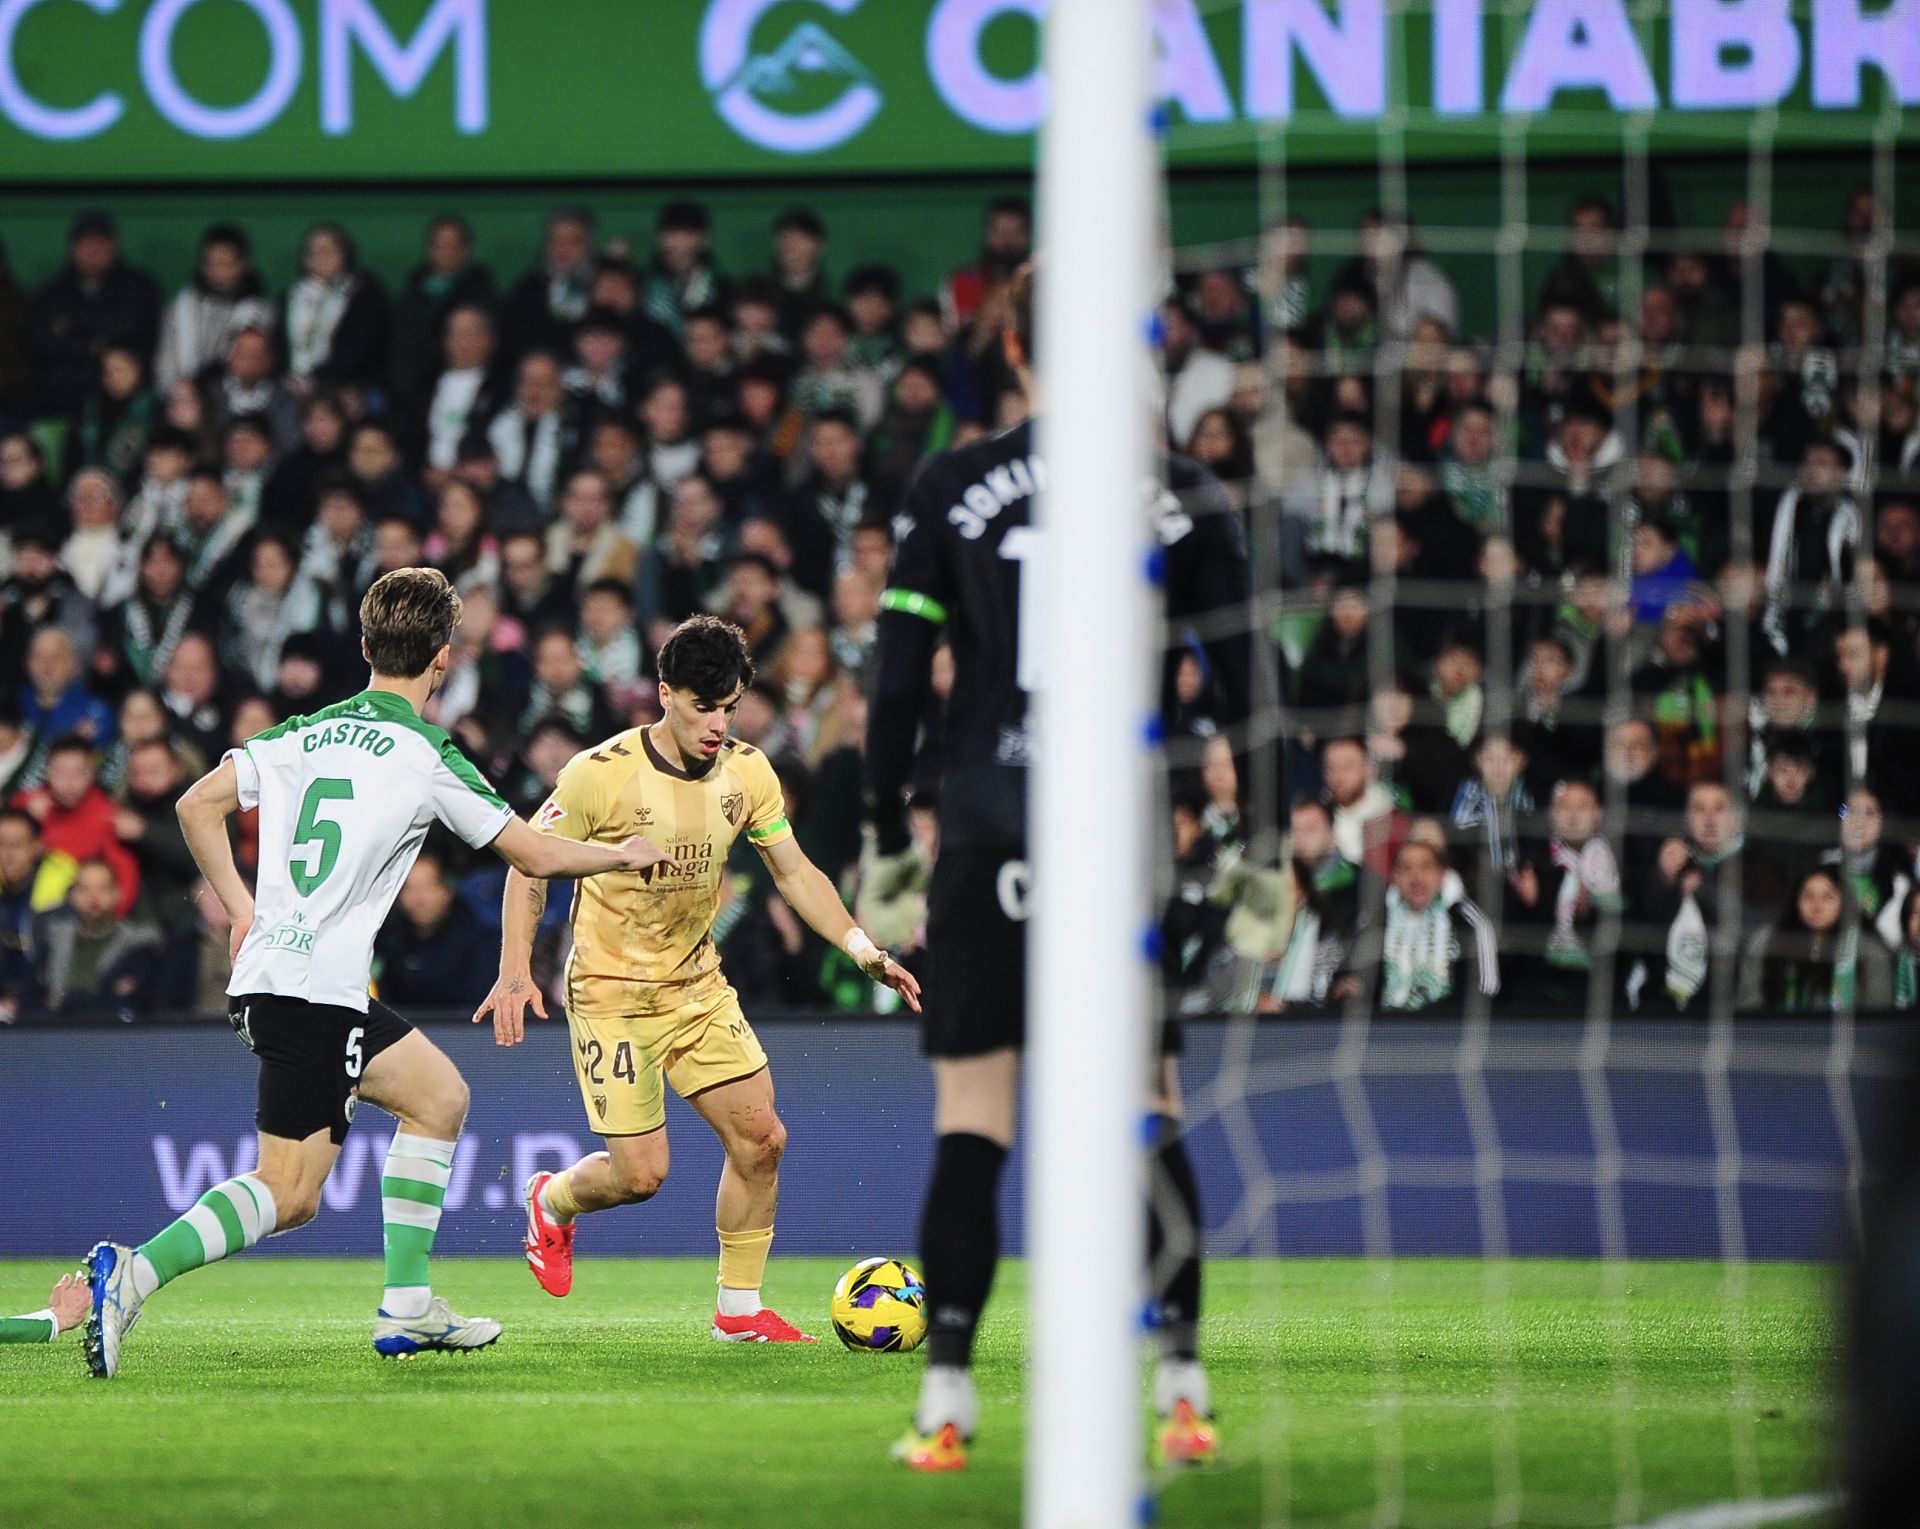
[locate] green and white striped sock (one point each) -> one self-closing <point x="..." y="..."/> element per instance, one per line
<point x="227" y="1219"/>
<point x="412" y="1190"/>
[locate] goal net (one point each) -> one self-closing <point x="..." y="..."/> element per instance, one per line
<point x="1547" y="928"/>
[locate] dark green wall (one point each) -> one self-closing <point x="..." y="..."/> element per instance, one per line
<point x="920" y="226"/>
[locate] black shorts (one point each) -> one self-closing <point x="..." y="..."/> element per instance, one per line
<point x="312" y="1056"/>
<point x="976" y="998"/>
<point x="976" y="991"/>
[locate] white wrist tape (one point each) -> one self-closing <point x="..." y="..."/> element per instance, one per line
<point x="858" y="945"/>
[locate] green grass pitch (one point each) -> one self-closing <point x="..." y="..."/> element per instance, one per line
<point x="250" y="1396"/>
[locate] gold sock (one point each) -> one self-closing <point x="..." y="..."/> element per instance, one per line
<point x="743" y="1258"/>
<point x="558" y="1195"/>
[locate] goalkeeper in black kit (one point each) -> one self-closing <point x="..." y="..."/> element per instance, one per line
<point x="966" y="551"/>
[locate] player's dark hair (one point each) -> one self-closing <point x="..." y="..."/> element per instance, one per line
<point x="407" y="617"/>
<point x="706" y="656"/>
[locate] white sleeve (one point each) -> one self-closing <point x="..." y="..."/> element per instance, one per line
<point x="246" y="776"/>
<point x="464" y="801"/>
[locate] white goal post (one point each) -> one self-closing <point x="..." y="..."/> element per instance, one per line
<point x="1088" y="986"/>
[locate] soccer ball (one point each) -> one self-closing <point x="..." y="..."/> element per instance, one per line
<point x="879" y="1307"/>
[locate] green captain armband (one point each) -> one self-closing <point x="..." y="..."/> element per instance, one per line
<point x="912" y="603"/>
<point x="777" y="826"/>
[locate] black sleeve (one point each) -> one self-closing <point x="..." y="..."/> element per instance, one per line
<point x="914" y="608"/>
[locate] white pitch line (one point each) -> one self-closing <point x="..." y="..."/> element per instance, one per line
<point x="1748" y="1515"/>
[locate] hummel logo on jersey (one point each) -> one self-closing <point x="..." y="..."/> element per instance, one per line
<point x="644" y="817"/>
<point x="732" y="805"/>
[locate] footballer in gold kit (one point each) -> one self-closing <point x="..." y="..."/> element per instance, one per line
<point x="647" y="1003"/>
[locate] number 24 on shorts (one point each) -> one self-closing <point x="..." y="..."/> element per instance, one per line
<point x="592" y="1054"/>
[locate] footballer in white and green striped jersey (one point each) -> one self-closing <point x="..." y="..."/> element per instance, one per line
<point x="346" y="796"/>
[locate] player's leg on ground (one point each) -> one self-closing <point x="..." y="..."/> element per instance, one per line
<point x="754" y="1138"/>
<point x="417" y="1083"/>
<point x="974" y="1113"/>
<point x="626" y="1108"/>
<point x="281" y="1193"/>
<point x="743" y="1116"/>
<point x="1174" y="1251"/>
<point x="631" y="1170"/>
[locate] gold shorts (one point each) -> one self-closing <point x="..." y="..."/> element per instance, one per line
<point x="627" y="1034"/>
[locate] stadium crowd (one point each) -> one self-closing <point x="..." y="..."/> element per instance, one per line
<point x="1692" y="549"/>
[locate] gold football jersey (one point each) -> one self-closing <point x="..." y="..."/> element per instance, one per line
<point x="656" y="925"/>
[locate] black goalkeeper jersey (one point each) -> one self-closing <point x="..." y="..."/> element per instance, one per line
<point x="964" y="543"/>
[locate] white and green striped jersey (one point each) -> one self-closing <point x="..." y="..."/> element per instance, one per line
<point x="345" y="796"/>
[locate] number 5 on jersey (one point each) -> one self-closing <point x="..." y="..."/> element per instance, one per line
<point x="316" y="840"/>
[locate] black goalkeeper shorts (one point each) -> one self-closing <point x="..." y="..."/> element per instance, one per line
<point x="976" y="990"/>
<point x="312" y="1057"/>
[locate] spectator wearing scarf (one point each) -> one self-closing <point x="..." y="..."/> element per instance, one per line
<point x="1818" y="957"/>
<point x="1433" y="959"/>
<point x="224" y="297"/>
<point x="336" y="319"/>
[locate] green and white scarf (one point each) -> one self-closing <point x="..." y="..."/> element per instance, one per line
<point x="1418" y="955"/>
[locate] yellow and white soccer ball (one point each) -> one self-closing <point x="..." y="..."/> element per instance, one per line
<point x="880" y="1307"/>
